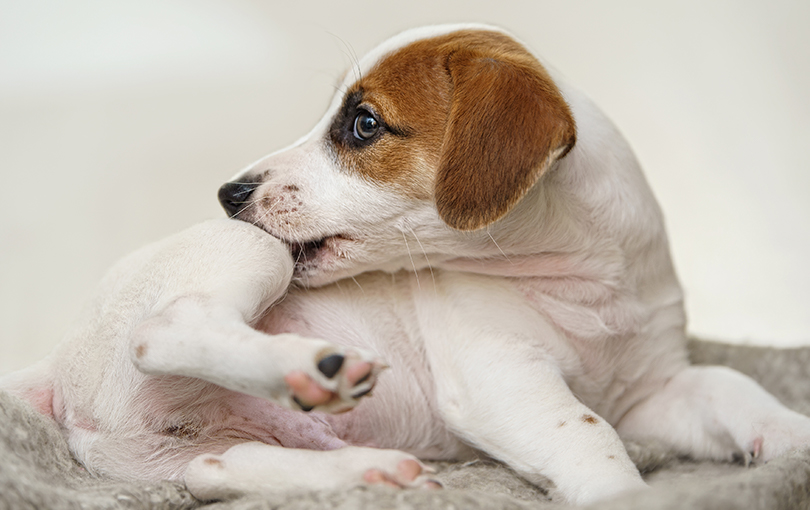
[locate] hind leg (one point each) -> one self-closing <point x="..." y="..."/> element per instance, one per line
<point x="717" y="413"/>
<point x="265" y="469"/>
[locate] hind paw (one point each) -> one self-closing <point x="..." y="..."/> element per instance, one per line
<point x="341" y="381"/>
<point x="408" y="474"/>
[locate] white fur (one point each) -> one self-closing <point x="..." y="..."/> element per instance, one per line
<point x="533" y="340"/>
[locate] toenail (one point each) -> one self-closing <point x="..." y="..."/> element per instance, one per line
<point x="361" y="394"/>
<point x="330" y="365"/>
<point x="434" y="484"/>
<point x="363" y="379"/>
<point x="303" y="407"/>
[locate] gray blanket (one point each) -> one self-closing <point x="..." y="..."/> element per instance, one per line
<point x="37" y="471"/>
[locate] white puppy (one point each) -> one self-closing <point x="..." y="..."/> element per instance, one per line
<point x="462" y="215"/>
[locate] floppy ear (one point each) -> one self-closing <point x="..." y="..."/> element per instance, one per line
<point x="508" y="123"/>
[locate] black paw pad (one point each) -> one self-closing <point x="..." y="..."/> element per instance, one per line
<point x="330" y="365"/>
<point x="303" y="407"/>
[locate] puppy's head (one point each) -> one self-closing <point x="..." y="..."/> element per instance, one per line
<point x="443" y="133"/>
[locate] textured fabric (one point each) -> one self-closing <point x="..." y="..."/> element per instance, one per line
<point x="37" y="471"/>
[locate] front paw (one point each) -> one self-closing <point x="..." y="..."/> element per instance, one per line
<point x="339" y="383"/>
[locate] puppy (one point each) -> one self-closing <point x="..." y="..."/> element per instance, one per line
<point x="460" y="214"/>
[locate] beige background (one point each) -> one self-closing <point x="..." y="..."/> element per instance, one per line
<point x="119" y="121"/>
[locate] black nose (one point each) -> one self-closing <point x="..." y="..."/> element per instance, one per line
<point x="234" y="196"/>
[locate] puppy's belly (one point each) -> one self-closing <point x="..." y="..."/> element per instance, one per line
<point x="374" y="313"/>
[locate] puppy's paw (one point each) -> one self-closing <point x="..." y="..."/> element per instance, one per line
<point x="774" y="436"/>
<point x="408" y="473"/>
<point x="340" y="381"/>
<point x="257" y="468"/>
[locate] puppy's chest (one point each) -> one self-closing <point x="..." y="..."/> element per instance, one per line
<point x="395" y="315"/>
<point x="372" y="311"/>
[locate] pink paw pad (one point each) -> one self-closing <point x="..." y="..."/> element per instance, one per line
<point x="350" y="377"/>
<point x="306" y="392"/>
<point x="409" y="474"/>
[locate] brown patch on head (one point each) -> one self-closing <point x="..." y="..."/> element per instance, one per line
<point x="469" y="118"/>
<point x="587" y="418"/>
<point x="409" y="93"/>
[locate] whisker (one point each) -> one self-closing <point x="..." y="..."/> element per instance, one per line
<point x="358" y="284"/>
<point x="340" y="88"/>
<point x="411" y="257"/>
<point x="340" y="288"/>
<point x="348" y="50"/>
<point x="260" y="218"/>
<point x="250" y="203"/>
<point x="430" y="267"/>
<point x="498" y="246"/>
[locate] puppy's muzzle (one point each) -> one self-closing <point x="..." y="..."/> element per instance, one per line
<point x="235" y="196"/>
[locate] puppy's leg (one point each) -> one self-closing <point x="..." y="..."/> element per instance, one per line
<point x="197" y="336"/>
<point x="525" y="415"/>
<point x="210" y="281"/>
<point x="717" y="413"/>
<point x="501" y="398"/>
<point x="499" y="390"/>
<point x="265" y="469"/>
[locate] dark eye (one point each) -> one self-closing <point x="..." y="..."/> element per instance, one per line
<point x="365" y="125"/>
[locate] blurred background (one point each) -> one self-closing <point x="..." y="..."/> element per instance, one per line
<point x="119" y="121"/>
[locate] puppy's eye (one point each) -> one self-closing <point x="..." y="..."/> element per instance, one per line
<point x="365" y="126"/>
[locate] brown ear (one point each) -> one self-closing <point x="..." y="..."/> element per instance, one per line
<point x="508" y="123"/>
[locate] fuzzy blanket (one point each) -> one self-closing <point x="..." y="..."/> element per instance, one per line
<point x="37" y="471"/>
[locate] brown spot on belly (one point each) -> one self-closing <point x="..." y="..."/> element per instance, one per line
<point x="211" y="461"/>
<point x="140" y="351"/>
<point x="587" y="418"/>
<point x="561" y="424"/>
<point x="183" y="431"/>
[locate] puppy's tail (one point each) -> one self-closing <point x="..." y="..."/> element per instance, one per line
<point x="34" y="384"/>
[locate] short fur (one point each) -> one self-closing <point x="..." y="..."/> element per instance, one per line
<point x="488" y="234"/>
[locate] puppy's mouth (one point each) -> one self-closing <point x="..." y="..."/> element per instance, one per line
<point x="307" y="250"/>
<point x="309" y="255"/>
